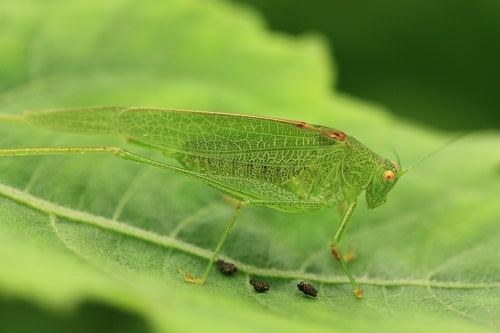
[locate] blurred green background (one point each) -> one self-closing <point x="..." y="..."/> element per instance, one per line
<point x="436" y="62"/>
<point x="428" y="258"/>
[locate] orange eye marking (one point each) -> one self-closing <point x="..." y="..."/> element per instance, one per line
<point x="389" y="175"/>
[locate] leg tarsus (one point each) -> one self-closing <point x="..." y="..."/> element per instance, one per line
<point x="191" y="279"/>
<point x="358" y="292"/>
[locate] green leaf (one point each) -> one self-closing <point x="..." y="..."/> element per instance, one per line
<point x="83" y="234"/>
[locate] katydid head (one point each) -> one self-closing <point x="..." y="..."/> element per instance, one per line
<point x="382" y="182"/>
<point x="388" y="173"/>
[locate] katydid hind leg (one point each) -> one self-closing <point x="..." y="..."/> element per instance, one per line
<point x="358" y="292"/>
<point x="118" y="152"/>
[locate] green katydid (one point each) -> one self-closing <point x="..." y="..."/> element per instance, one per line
<point x="282" y="164"/>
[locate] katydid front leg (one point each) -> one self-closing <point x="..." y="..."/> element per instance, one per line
<point x="358" y="292"/>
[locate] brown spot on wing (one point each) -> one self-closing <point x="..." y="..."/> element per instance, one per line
<point x="331" y="133"/>
<point x="336" y="134"/>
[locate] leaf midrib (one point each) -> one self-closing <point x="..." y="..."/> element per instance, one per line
<point x="51" y="208"/>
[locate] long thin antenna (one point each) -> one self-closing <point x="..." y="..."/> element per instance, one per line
<point x="435" y="151"/>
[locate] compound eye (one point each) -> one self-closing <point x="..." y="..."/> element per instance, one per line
<point x="389" y="175"/>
